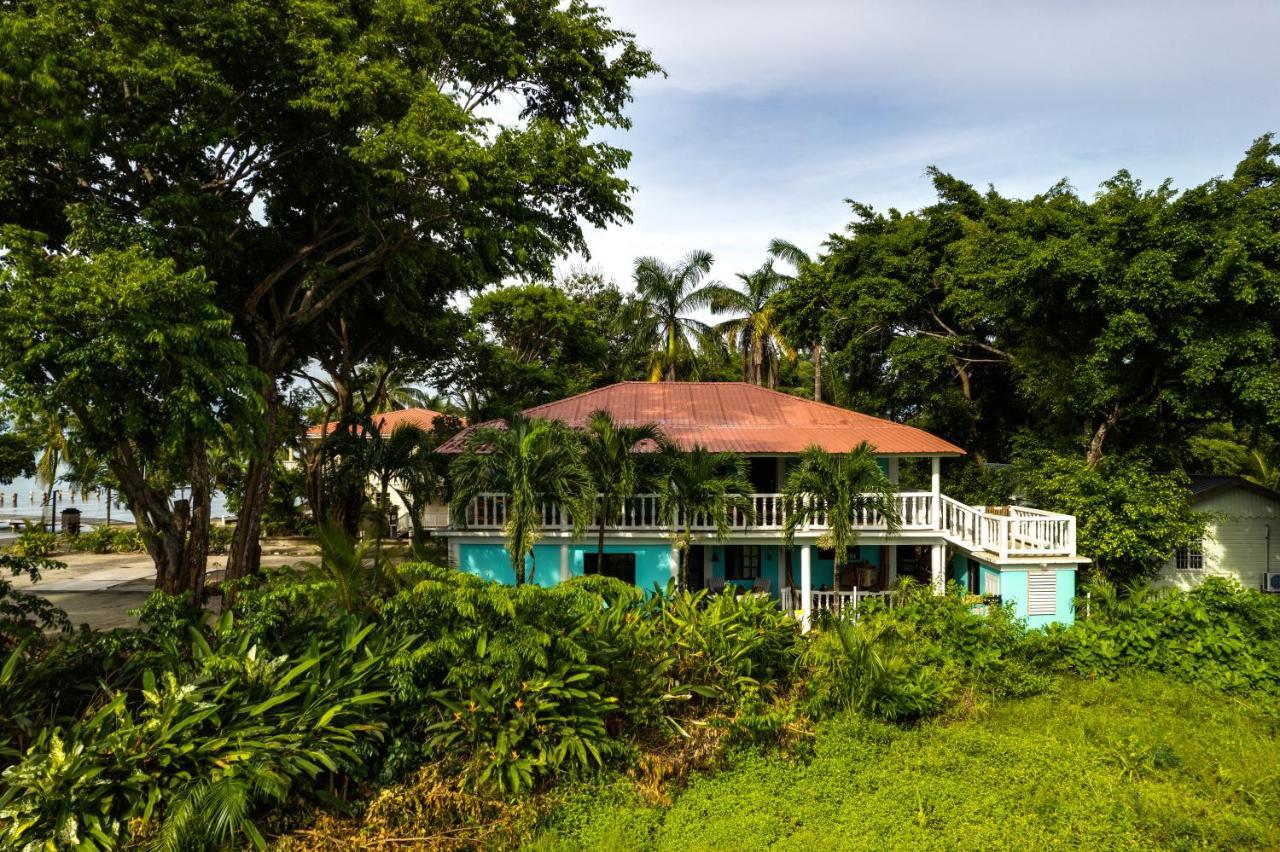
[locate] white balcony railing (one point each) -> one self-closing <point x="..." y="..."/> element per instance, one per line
<point x="1004" y="531"/>
<point x="792" y="600"/>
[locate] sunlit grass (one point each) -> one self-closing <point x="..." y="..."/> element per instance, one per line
<point x="1140" y="762"/>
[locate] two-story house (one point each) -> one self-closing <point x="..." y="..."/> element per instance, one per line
<point x="1027" y="556"/>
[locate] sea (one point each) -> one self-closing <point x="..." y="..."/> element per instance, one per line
<point x="22" y="500"/>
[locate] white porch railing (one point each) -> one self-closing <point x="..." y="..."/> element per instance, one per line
<point x="915" y="509"/>
<point x="1009" y="531"/>
<point x="792" y="600"/>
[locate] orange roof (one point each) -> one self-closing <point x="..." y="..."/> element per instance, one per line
<point x="423" y="418"/>
<point x="737" y="417"/>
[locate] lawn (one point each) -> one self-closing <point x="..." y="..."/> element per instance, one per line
<point x="1142" y="762"/>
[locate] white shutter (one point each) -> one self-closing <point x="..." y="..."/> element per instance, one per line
<point x="990" y="582"/>
<point x="1042" y="594"/>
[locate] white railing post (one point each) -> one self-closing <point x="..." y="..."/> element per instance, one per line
<point x="1004" y="527"/>
<point x="806" y="586"/>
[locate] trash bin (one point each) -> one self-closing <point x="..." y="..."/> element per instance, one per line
<point x="71" y="521"/>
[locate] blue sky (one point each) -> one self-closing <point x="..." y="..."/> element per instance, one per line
<point x="774" y="112"/>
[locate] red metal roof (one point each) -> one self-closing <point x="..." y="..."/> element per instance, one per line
<point x="386" y="423"/>
<point x="737" y="417"/>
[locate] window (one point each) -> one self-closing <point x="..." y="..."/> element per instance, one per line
<point x="742" y="563"/>
<point x="1190" y="558"/>
<point x="990" y="583"/>
<point x="619" y="565"/>
<point x="1042" y="593"/>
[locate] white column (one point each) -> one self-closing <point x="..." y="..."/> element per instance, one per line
<point x="806" y="586"/>
<point x="892" y="562"/>
<point x="939" y="575"/>
<point x="893" y="469"/>
<point x="935" y="486"/>
<point x="566" y="574"/>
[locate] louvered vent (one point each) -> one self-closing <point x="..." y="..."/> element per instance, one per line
<point x="1042" y="594"/>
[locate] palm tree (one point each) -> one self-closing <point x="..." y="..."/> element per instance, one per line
<point x="756" y="333"/>
<point x="422" y="481"/>
<point x="842" y="489"/>
<point x="390" y="457"/>
<point x="703" y="486"/>
<point x="609" y="451"/>
<point x="531" y="462"/>
<point x="664" y="295"/>
<point x="803" y="288"/>
<point x="1265" y="472"/>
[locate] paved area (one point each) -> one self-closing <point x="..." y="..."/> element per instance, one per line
<point x="100" y="589"/>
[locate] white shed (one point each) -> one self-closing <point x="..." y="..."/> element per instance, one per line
<point x="1242" y="539"/>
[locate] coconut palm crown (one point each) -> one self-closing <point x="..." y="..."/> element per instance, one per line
<point x="845" y="489"/>
<point x="532" y="462"/>
<point x="706" y="487"/>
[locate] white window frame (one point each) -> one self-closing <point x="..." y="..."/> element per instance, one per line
<point x="1190" y="558"/>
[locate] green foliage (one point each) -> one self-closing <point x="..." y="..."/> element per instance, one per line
<point x="1118" y="323"/>
<point x="189" y="760"/>
<point x="557" y="675"/>
<point x="1141" y="762"/>
<point x="1129" y="518"/>
<point x="17" y="456"/>
<point x="35" y="542"/>
<point x="530" y="462"/>
<point x="842" y="490"/>
<point x="664" y="333"/>
<point x="24" y="616"/>
<point x="1218" y="636"/>
<point x="352" y="571"/>
<point x="872" y="671"/>
<point x="700" y="483"/>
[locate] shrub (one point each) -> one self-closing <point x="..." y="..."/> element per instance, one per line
<point x="869" y="669"/>
<point x="1219" y="636"/>
<point x="188" y="760"/>
<point x="126" y="540"/>
<point x="96" y="540"/>
<point x="35" y="542"/>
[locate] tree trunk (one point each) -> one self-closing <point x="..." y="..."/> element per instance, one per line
<point x="196" y="555"/>
<point x="600" y="542"/>
<point x="684" y="567"/>
<point x="1094" y="454"/>
<point x="817" y="371"/>
<point x="246" y="556"/>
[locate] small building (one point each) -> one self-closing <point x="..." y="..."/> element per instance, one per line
<point x="436" y="514"/>
<point x="1238" y="541"/>
<point x="1026" y="556"/>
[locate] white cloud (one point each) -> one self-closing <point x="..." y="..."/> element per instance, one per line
<point x="774" y="113"/>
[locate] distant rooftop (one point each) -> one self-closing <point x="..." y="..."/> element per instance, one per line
<point x="386" y="423"/>
<point x="736" y="417"/>
<point x="1202" y="486"/>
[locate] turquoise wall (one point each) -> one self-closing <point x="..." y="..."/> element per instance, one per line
<point x="960" y="570"/>
<point x="489" y="561"/>
<point x="1013" y="589"/>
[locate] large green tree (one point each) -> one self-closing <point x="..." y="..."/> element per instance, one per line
<point x="136" y="358"/>
<point x="1124" y="322"/>
<point x="307" y="154"/>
